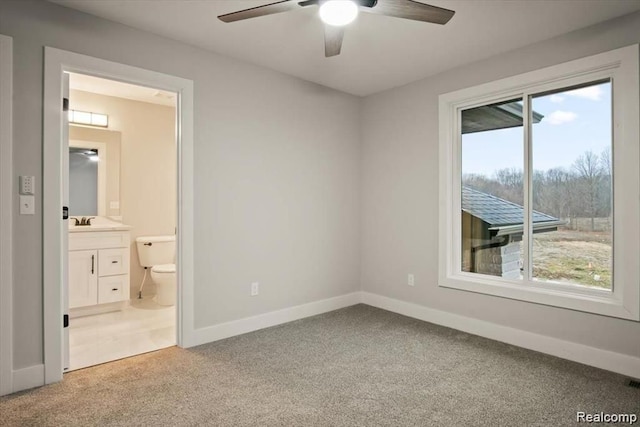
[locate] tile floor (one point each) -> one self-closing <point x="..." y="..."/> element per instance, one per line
<point x="141" y="327"/>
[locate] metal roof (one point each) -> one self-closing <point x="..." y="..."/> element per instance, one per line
<point x="498" y="212"/>
<point x="496" y="116"/>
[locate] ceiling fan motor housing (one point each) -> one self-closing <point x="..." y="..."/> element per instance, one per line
<point x="363" y="3"/>
<point x="367" y="3"/>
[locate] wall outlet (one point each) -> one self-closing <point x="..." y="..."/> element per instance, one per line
<point x="255" y="289"/>
<point x="411" y="280"/>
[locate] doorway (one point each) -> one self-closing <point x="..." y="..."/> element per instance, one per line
<point x="55" y="225"/>
<point x="121" y="187"/>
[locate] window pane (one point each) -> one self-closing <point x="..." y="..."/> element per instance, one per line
<point x="492" y="189"/>
<point x="572" y="187"/>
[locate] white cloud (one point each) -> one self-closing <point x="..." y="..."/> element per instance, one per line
<point x="560" y="117"/>
<point x="556" y="99"/>
<point x="594" y="93"/>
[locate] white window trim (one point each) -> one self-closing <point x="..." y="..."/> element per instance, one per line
<point x="621" y="66"/>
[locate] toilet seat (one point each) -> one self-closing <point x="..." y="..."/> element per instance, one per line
<point x="164" y="268"/>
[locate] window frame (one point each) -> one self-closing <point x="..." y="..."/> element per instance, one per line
<point x="621" y="67"/>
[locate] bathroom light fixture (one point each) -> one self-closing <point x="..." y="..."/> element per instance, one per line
<point x="338" y="12"/>
<point x="88" y="118"/>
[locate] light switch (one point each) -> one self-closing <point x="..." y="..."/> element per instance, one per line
<point x="27" y="205"/>
<point x="27" y="184"/>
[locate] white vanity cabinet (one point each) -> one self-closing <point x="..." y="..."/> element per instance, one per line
<point x="98" y="267"/>
<point x="83" y="278"/>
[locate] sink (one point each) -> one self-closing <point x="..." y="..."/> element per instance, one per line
<point x="98" y="224"/>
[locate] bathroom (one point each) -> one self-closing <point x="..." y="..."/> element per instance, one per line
<point x="122" y="218"/>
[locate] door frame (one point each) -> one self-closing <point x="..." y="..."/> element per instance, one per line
<point x="56" y="63"/>
<point x="6" y="212"/>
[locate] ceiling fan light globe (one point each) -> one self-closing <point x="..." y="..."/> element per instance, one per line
<point x="338" y="12"/>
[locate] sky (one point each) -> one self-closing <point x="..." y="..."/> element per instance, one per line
<point x="574" y="122"/>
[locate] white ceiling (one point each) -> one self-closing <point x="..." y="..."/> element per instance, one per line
<point x="378" y="53"/>
<point x="120" y="90"/>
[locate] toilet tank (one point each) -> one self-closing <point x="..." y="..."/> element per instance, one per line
<point x="156" y="250"/>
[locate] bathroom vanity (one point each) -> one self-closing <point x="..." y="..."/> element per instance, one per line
<point x="98" y="266"/>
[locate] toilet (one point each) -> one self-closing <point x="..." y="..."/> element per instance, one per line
<point x="159" y="253"/>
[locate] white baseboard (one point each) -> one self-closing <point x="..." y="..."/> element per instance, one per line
<point x="273" y="318"/>
<point x="604" y="359"/>
<point x="26" y="378"/>
<point x="33" y="376"/>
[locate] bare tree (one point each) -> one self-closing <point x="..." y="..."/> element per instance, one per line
<point x="551" y="191"/>
<point x="589" y="174"/>
<point x="606" y="184"/>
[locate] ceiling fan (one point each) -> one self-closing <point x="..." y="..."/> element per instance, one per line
<point x="337" y="13"/>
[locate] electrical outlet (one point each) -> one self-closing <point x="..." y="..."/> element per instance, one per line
<point x="255" y="289"/>
<point x="411" y="280"/>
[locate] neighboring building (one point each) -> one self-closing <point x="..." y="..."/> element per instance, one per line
<point x="491" y="231"/>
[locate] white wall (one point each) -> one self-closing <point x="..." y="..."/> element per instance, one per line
<point x="276" y="171"/>
<point x="148" y="168"/>
<point x="400" y="194"/>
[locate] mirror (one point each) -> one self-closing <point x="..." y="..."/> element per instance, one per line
<point x="86" y="178"/>
<point x="94" y="172"/>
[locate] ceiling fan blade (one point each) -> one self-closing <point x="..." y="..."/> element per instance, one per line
<point x="409" y="9"/>
<point x="332" y="40"/>
<point x="267" y="9"/>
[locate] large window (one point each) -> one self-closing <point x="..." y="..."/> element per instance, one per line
<point x="540" y="176"/>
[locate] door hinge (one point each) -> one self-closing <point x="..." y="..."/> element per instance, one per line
<point x="65" y="320"/>
<point x="65" y="104"/>
<point x="65" y="212"/>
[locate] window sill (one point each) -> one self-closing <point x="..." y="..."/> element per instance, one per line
<point x="595" y="301"/>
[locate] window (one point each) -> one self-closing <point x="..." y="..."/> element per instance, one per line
<point x="540" y="186"/>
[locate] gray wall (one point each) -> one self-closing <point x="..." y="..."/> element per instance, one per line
<point x="400" y="194"/>
<point x="276" y="188"/>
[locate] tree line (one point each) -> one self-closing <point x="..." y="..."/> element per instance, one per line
<point x="581" y="191"/>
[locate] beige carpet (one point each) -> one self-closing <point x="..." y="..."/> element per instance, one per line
<point x="359" y="366"/>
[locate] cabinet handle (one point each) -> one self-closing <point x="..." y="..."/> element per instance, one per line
<point x="114" y="262"/>
<point x="93" y="259"/>
<point x="114" y="289"/>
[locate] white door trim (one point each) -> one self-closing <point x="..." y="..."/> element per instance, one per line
<point x="6" y="207"/>
<point x="56" y="63"/>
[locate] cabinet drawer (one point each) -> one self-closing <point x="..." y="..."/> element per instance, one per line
<point x="113" y="289"/>
<point x="113" y="261"/>
<point x="97" y="240"/>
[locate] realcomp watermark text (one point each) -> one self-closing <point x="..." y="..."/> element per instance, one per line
<point x="602" y="417"/>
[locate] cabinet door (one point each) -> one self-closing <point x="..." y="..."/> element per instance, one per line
<point x="83" y="278"/>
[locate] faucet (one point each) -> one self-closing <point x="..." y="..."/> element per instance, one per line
<point x="83" y="221"/>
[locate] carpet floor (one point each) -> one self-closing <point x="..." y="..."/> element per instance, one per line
<point x="359" y="366"/>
